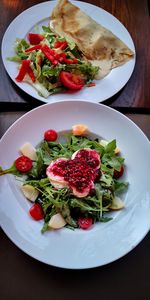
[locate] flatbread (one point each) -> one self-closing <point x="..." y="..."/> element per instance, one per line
<point x="98" y="44"/>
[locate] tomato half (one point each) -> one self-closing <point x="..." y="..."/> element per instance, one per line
<point x="71" y="81"/>
<point x="50" y="135"/>
<point x="85" y="223"/>
<point x="23" y="163"/>
<point x="36" y="212"/>
<point x="118" y="174"/>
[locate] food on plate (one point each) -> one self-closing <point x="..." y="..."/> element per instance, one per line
<point x="52" y="64"/>
<point x="98" y="44"/>
<point x="74" y="179"/>
<point x="69" y="54"/>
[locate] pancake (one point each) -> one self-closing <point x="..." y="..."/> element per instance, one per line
<point x="98" y="44"/>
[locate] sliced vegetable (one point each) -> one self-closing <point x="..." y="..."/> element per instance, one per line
<point x="36" y="47"/>
<point x="36" y="212"/>
<point x="23" y="163"/>
<point x="70" y="61"/>
<point x="60" y="44"/>
<point x="118" y="174"/>
<point x="31" y="74"/>
<point x="85" y="223"/>
<point x="35" y="38"/>
<point x="23" y="70"/>
<point x="71" y="81"/>
<point x="50" y="54"/>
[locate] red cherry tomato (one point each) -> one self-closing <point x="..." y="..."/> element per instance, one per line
<point x="35" y="38"/>
<point x="23" y="163"/>
<point x="85" y="223"/>
<point x="118" y="174"/>
<point x="36" y="212"/>
<point x="50" y="135"/>
<point x="71" y="81"/>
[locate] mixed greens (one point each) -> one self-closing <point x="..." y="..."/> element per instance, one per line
<point x="101" y="199"/>
<point x="44" y="57"/>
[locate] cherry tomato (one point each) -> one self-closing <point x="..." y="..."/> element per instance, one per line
<point x="118" y="174"/>
<point x="50" y="135"/>
<point x="85" y="223"/>
<point x="23" y="163"/>
<point x="36" y="212"/>
<point x="71" y="81"/>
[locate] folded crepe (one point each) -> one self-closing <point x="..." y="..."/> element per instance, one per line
<point x="98" y="44"/>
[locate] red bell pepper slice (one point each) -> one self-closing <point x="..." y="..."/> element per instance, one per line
<point x="35" y="38"/>
<point x="50" y="54"/>
<point x="23" y="70"/>
<point x="36" y="47"/>
<point x="61" y="57"/>
<point x="70" y="61"/>
<point x="31" y="74"/>
<point x="60" y="44"/>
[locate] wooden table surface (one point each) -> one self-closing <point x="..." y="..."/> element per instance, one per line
<point x="128" y="277"/>
<point x="133" y="14"/>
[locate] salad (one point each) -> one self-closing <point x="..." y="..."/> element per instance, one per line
<point x="72" y="178"/>
<point x="52" y="64"/>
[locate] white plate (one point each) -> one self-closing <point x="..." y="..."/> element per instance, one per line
<point x="104" y="242"/>
<point x="39" y="15"/>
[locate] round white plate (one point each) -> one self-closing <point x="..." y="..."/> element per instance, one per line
<point x="104" y="242"/>
<point x="39" y="15"/>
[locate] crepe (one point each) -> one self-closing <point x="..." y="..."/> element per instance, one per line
<point x="98" y="44"/>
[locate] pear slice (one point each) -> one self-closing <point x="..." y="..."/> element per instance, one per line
<point x="117" y="204"/>
<point x="30" y="192"/>
<point x="57" y="221"/>
<point x="28" y="150"/>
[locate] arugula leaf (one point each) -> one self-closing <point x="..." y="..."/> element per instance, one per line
<point x="120" y="186"/>
<point x="110" y="147"/>
<point x="12" y="170"/>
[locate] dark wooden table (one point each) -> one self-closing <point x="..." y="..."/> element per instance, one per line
<point x="127" y="278"/>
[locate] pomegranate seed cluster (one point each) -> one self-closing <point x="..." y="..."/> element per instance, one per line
<point x="79" y="172"/>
